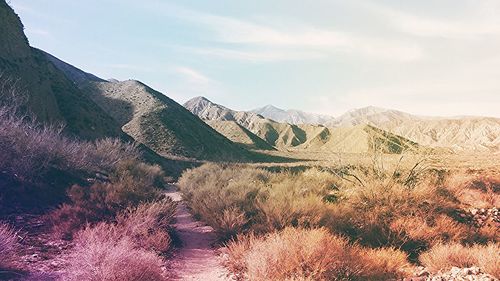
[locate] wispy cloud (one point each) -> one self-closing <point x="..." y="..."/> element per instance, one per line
<point x="192" y="75"/>
<point x="481" y="20"/>
<point x="252" y="54"/>
<point x="268" y="41"/>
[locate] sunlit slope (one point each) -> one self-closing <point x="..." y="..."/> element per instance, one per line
<point x="153" y="119"/>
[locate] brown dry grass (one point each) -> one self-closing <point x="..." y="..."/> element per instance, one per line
<point x="446" y="256"/>
<point x="8" y="245"/>
<point x="30" y="150"/>
<point x="126" y="250"/>
<point x="131" y="184"/>
<point x="315" y="254"/>
<point x="99" y="259"/>
<point x="148" y="225"/>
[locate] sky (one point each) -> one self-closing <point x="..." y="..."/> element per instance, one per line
<point x="325" y="56"/>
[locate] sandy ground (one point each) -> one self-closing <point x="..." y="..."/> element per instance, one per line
<point x="197" y="258"/>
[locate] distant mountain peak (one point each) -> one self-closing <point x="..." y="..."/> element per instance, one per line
<point x="291" y="116"/>
<point x="200" y="98"/>
<point x="367" y="110"/>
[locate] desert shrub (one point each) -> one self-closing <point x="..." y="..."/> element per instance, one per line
<point x="236" y="199"/>
<point x="387" y="212"/>
<point x="446" y="256"/>
<point x="408" y="207"/>
<point x="315" y="254"/>
<point x="478" y="190"/>
<point x="142" y="173"/>
<point x="8" y="244"/>
<point x="378" y="208"/>
<point x="103" y="200"/>
<point x="98" y="257"/>
<point x="436" y="229"/>
<point x="148" y="224"/>
<point x="126" y="249"/>
<point x="30" y="150"/>
<point x="223" y="196"/>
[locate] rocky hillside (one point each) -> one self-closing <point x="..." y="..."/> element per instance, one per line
<point x="480" y="134"/>
<point x="239" y="134"/>
<point x="456" y="133"/>
<point x="48" y="93"/>
<point x="152" y="118"/>
<point x="286" y="136"/>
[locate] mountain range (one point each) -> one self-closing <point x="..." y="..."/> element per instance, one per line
<point x="456" y="133"/>
<point x="285" y="136"/>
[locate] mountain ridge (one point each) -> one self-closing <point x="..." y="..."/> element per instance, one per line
<point x="459" y="133"/>
<point x="152" y="118"/>
<point x="286" y="136"/>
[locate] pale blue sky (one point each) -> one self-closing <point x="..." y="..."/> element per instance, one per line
<point x="325" y="56"/>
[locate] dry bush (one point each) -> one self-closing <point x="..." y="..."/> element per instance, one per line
<point x="125" y="250"/>
<point x="390" y="213"/>
<point x="30" y="150"/>
<point x="298" y="254"/>
<point x="446" y="256"/>
<point x="382" y="264"/>
<point x="102" y="201"/>
<point x="236" y="199"/>
<point x="478" y="190"/>
<point x="148" y="224"/>
<point x="438" y="229"/>
<point x="223" y="196"/>
<point x="8" y="245"/>
<point x="102" y="258"/>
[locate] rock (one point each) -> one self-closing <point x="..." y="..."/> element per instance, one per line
<point x="454" y="274"/>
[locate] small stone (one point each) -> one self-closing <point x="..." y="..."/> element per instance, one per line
<point x="454" y="271"/>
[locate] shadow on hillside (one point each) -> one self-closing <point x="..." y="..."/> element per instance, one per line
<point x="120" y="110"/>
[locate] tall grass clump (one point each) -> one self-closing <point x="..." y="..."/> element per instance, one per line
<point x="128" y="249"/>
<point x="314" y="254"/>
<point x="8" y="245"/>
<point x="112" y="260"/>
<point x="446" y="256"/>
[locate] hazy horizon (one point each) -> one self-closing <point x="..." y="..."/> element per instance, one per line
<point x="424" y="58"/>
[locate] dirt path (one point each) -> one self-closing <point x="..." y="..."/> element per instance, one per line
<point x="196" y="259"/>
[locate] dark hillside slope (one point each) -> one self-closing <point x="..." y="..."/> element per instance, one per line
<point x="50" y="96"/>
